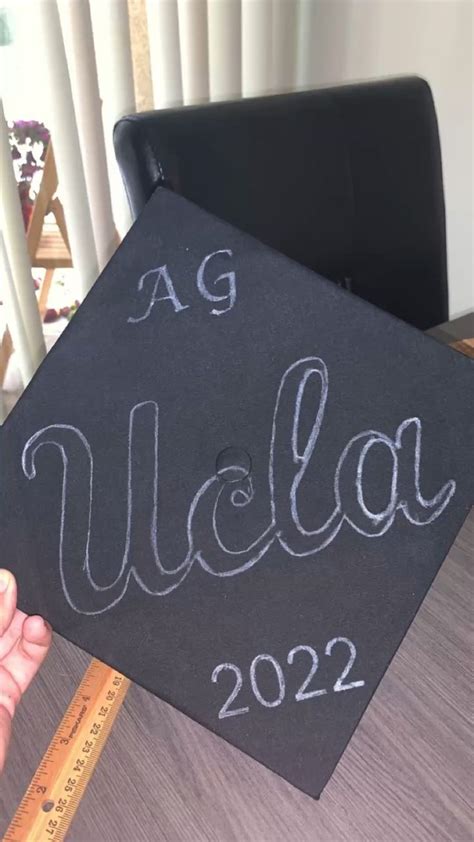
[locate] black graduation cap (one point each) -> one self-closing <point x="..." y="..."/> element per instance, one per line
<point x="234" y="482"/>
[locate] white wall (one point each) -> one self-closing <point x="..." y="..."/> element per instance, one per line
<point x="357" y="39"/>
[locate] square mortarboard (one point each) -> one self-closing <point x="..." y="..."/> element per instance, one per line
<point x="234" y="482"/>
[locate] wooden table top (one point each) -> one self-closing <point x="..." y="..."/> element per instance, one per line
<point x="406" y="774"/>
<point x="455" y="329"/>
<point x="465" y="346"/>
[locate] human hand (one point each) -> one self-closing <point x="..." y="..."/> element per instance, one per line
<point x="24" y="644"/>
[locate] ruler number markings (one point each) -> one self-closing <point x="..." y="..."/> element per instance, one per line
<point x="54" y="793"/>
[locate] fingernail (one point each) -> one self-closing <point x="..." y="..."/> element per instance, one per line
<point x="48" y="625"/>
<point x="5" y="579"/>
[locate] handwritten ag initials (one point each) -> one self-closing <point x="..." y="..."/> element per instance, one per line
<point x="162" y="288"/>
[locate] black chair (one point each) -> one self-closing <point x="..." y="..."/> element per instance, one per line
<point x="345" y="180"/>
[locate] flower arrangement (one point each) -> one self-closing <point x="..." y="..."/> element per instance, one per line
<point x="29" y="142"/>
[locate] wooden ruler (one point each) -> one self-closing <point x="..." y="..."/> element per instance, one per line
<point x="58" y="785"/>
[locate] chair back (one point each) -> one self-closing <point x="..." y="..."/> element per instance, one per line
<point x="345" y="180"/>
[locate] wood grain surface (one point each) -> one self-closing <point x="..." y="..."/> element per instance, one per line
<point x="406" y="775"/>
<point x="465" y="346"/>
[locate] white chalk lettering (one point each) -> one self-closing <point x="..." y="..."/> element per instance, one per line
<point x="225" y="711"/>
<point x="280" y="678"/>
<point x="230" y="296"/>
<point x="160" y="277"/>
<point x="289" y="458"/>
<point x="302" y="694"/>
<point x="339" y="685"/>
<point x="158" y="274"/>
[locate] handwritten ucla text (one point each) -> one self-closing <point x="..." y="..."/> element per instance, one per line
<point x="290" y="452"/>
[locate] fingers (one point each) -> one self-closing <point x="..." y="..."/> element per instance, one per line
<point x="24" y="644"/>
<point x="29" y="652"/>
<point x="36" y="639"/>
<point x="10" y="693"/>
<point x="7" y="599"/>
<point x="5" y="732"/>
<point x="12" y="634"/>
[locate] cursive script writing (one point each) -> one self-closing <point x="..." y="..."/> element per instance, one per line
<point x="289" y="458"/>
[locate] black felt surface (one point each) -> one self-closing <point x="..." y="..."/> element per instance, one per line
<point x="238" y="574"/>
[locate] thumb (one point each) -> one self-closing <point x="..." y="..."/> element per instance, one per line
<point x="7" y="599"/>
